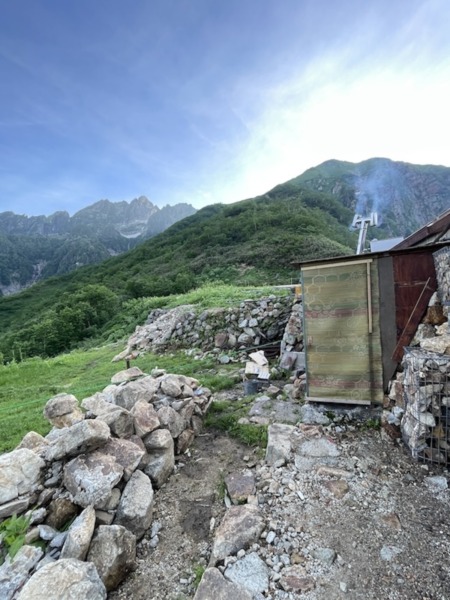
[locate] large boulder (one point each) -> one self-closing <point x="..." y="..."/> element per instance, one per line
<point x="33" y="441"/>
<point x="127" y="375"/>
<point x="14" y="572"/>
<point x="170" y="419"/>
<point x="126" y="453"/>
<point x="64" y="579"/>
<point x="79" y="535"/>
<point x="63" y="411"/>
<point x="145" y="418"/>
<point x="21" y="472"/>
<point x="160" y="461"/>
<point x="279" y="444"/>
<point x="170" y="385"/>
<point x="113" y="552"/>
<point x="249" y="572"/>
<point x="90" y="478"/>
<point x="240" y="527"/>
<point x="136" y="504"/>
<point x="77" y="439"/>
<point x="117" y="418"/>
<point x="214" y="586"/>
<point x="126" y="395"/>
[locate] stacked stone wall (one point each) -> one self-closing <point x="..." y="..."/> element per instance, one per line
<point x="251" y="324"/>
<point x="99" y="466"/>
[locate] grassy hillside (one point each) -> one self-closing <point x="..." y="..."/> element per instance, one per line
<point x="249" y="242"/>
<point x="25" y="387"/>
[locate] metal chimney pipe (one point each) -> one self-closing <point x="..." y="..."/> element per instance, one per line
<point x="363" y="223"/>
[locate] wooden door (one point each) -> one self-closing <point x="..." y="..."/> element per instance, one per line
<point x="341" y="320"/>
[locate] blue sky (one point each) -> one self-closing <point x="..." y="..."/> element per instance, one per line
<point x="205" y="101"/>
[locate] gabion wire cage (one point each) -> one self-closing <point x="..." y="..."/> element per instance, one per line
<point x="426" y="422"/>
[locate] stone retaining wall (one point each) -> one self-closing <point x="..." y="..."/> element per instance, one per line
<point x="252" y="323"/>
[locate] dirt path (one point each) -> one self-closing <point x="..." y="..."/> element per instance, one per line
<point x="184" y="507"/>
<point x="389" y="525"/>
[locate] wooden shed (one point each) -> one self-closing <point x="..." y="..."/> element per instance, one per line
<point x="359" y="313"/>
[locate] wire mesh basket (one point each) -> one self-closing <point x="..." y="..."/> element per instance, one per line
<point x="426" y="422"/>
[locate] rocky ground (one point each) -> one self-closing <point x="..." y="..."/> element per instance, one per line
<point x="349" y="516"/>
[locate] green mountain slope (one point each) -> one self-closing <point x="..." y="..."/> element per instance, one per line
<point x="249" y="242"/>
<point x="405" y="196"/>
<point x="253" y="241"/>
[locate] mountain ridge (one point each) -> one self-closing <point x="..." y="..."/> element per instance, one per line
<point x="91" y="235"/>
<point x="250" y="242"/>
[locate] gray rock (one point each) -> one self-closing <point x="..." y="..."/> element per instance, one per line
<point x="63" y="411"/>
<point x="59" y="540"/>
<point x="15" y="507"/>
<point x="37" y="515"/>
<point x="136" y="505"/>
<point x="127" y="375"/>
<point x="171" y="420"/>
<point x="117" y="418"/>
<point x="77" y="439"/>
<point x="161" y="457"/>
<point x="310" y="415"/>
<point x="440" y="344"/>
<point x="184" y="440"/>
<point x="125" y="452"/>
<point x="388" y="553"/>
<point x="79" y="535"/>
<point x="279" y="443"/>
<point x="240" y="486"/>
<point x="126" y="395"/>
<point x="102" y="517"/>
<point x="113" y="552"/>
<point x="90" y="478"/>
<point x="33" y="441"/>
<point x="46" y="532"/>
<point x="437" y="482"/>
<point x="249" y="572"/>
<point x="245" y="339"/>
<point x="214" y="585"/>
<point x="21" y="471"/>
<point x="318" y="448"/>
<point x="14" y="573"/>
<point x="326" y="556"/>
<point x="64" y="579"/>
<point x="170" y="385"/>
<point x="240" y="527"/>
<point x="145" y="418"/>
<point x="97" y="403"/>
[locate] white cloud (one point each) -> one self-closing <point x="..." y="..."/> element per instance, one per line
<point x="396" y="109"/>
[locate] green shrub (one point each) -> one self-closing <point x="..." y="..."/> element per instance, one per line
<point x="12" y="532"/>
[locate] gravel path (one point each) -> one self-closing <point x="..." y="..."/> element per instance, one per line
<point x="375" y="526"/>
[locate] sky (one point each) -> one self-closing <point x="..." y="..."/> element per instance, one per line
<point x="206" y="101"/>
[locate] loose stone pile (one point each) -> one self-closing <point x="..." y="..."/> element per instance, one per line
<point x="314" y="509"/>
<point x="97" y="468"/>
<point x="252" y="323"/>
